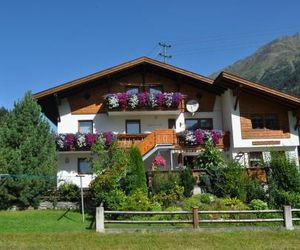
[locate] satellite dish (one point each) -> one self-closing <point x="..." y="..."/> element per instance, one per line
<point x="192" y="106"/>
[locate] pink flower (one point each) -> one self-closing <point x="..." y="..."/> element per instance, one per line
<point x="159" y="161"/>
<point x="123" y="97"/>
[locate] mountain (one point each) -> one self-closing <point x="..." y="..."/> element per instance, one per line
<point x="276" y="64"/>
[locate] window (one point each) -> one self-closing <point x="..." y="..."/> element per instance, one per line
<point x="85" y="127"/>
<point x="255" y="159"/>
<point x="155" y="89"/>
<point x="206" y="123"/>
<point x="271" y="122"/>
<point x="133" y="126"/>
<point x="84" y="166"/>
<point x="268" y="121"/>
<point x="132" y="90"/>
<point x="191" y="124"/>
<point x="171" y="123"/>
<point x="203" y="123"/>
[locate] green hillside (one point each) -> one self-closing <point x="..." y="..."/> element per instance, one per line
<point x="276" y="64"/>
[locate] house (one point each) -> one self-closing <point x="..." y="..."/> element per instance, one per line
<point x="151" y="104"/>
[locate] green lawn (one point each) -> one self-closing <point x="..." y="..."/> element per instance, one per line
<point x="43" y="230"/>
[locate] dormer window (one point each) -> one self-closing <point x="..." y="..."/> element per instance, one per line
<point x="85" y="126"/>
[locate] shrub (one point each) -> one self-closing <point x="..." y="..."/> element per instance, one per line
<point x="138" y="201"/>
<point x="254" y="190"/>
<point x="170" y="196"/>
<point x="114" y="199"/>
<point x="187" y="180"/>
<point x="69" y="192"/>
<point x="234" y="181"/>
<point x="211" y="156"/>
<point x="284" y="172"/>
<point x="163" y="182"/>
<point x="110" y="165"/>
<point x="191" y="202"/>
<point x="155" y="206"/>
<point x="231" y="204"/>
<point x="284" y="181"/>
<point x="207" y="198"/>
<point x="258" y="204"/>
<point x="136" y="177"/>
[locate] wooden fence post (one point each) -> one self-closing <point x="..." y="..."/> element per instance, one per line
<point x="288" y="218"/>
<point x="100" y="219"/>
<point x="195" y="218"/>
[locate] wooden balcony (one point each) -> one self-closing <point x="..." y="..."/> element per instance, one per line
<point x="146" y="142"/>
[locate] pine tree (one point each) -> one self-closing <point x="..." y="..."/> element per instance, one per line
<point x="27" y="153"/>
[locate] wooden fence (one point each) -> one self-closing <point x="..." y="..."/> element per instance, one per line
<point x="286" y="216"/>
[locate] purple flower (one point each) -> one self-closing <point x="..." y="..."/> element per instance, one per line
<point x="216" y="135"/>
<point x="143" y="97"/>
<point x="108" y="137"/>
<point x="160" y="99"/>
<point x="69" y="140"/>
<point x="176" y="99"/>
<point x="123" y="97"/>
<point x="90" y="139"/>
<point x="199" y="136"/>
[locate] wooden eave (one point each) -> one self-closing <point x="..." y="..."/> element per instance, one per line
<point x="232" y="81"/>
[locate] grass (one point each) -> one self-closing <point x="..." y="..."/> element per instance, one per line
<point x="41" y="221"/>
<point x="43" y="230"/>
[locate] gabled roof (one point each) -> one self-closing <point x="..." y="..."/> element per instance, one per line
<point x="118" y="68"/>
<point x="232" y="81"/>
<point x="49" y="98"/>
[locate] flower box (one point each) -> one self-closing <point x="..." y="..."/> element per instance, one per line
<point x="143" y="101"/>
<point x="199" y="136"/>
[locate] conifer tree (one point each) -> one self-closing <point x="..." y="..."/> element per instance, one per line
<point x="27" y="153"/>
<point x="136" y="177"/>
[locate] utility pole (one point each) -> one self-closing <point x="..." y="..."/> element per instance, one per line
<point x="164" y="54"/>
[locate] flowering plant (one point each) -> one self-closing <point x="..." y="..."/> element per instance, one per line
<point x="82" y="141"/>
<point x="112" y="101"/>
<point x="199" y="136"/>
<point x="133" y="101"/>
<point x="159" y="161"/>
<point x="143" y="99"/>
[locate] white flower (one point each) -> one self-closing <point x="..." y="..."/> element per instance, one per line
<point x="133" y="101"/>
<point x="60" y="141"/>
<point x="168" y="99"/>
<point x="152" y="100"/>
<point x="190" y="138"/>
<point x="80" y="141"/>
<point x="112" y="101"/>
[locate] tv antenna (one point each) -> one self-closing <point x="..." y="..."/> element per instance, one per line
<point x="164" y="54"/>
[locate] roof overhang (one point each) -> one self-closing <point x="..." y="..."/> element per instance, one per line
<point x="232" y="81"/>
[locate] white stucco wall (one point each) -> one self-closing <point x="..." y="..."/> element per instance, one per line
<point x="104" y="122"/>
<point x="67" y="169"/>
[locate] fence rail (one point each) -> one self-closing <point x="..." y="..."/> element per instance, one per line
<point x="286" y="217"/>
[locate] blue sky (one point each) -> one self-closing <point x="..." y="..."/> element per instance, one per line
<point x="46" y="43"/>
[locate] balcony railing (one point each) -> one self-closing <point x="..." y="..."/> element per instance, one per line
<point x="145" y="142"/>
